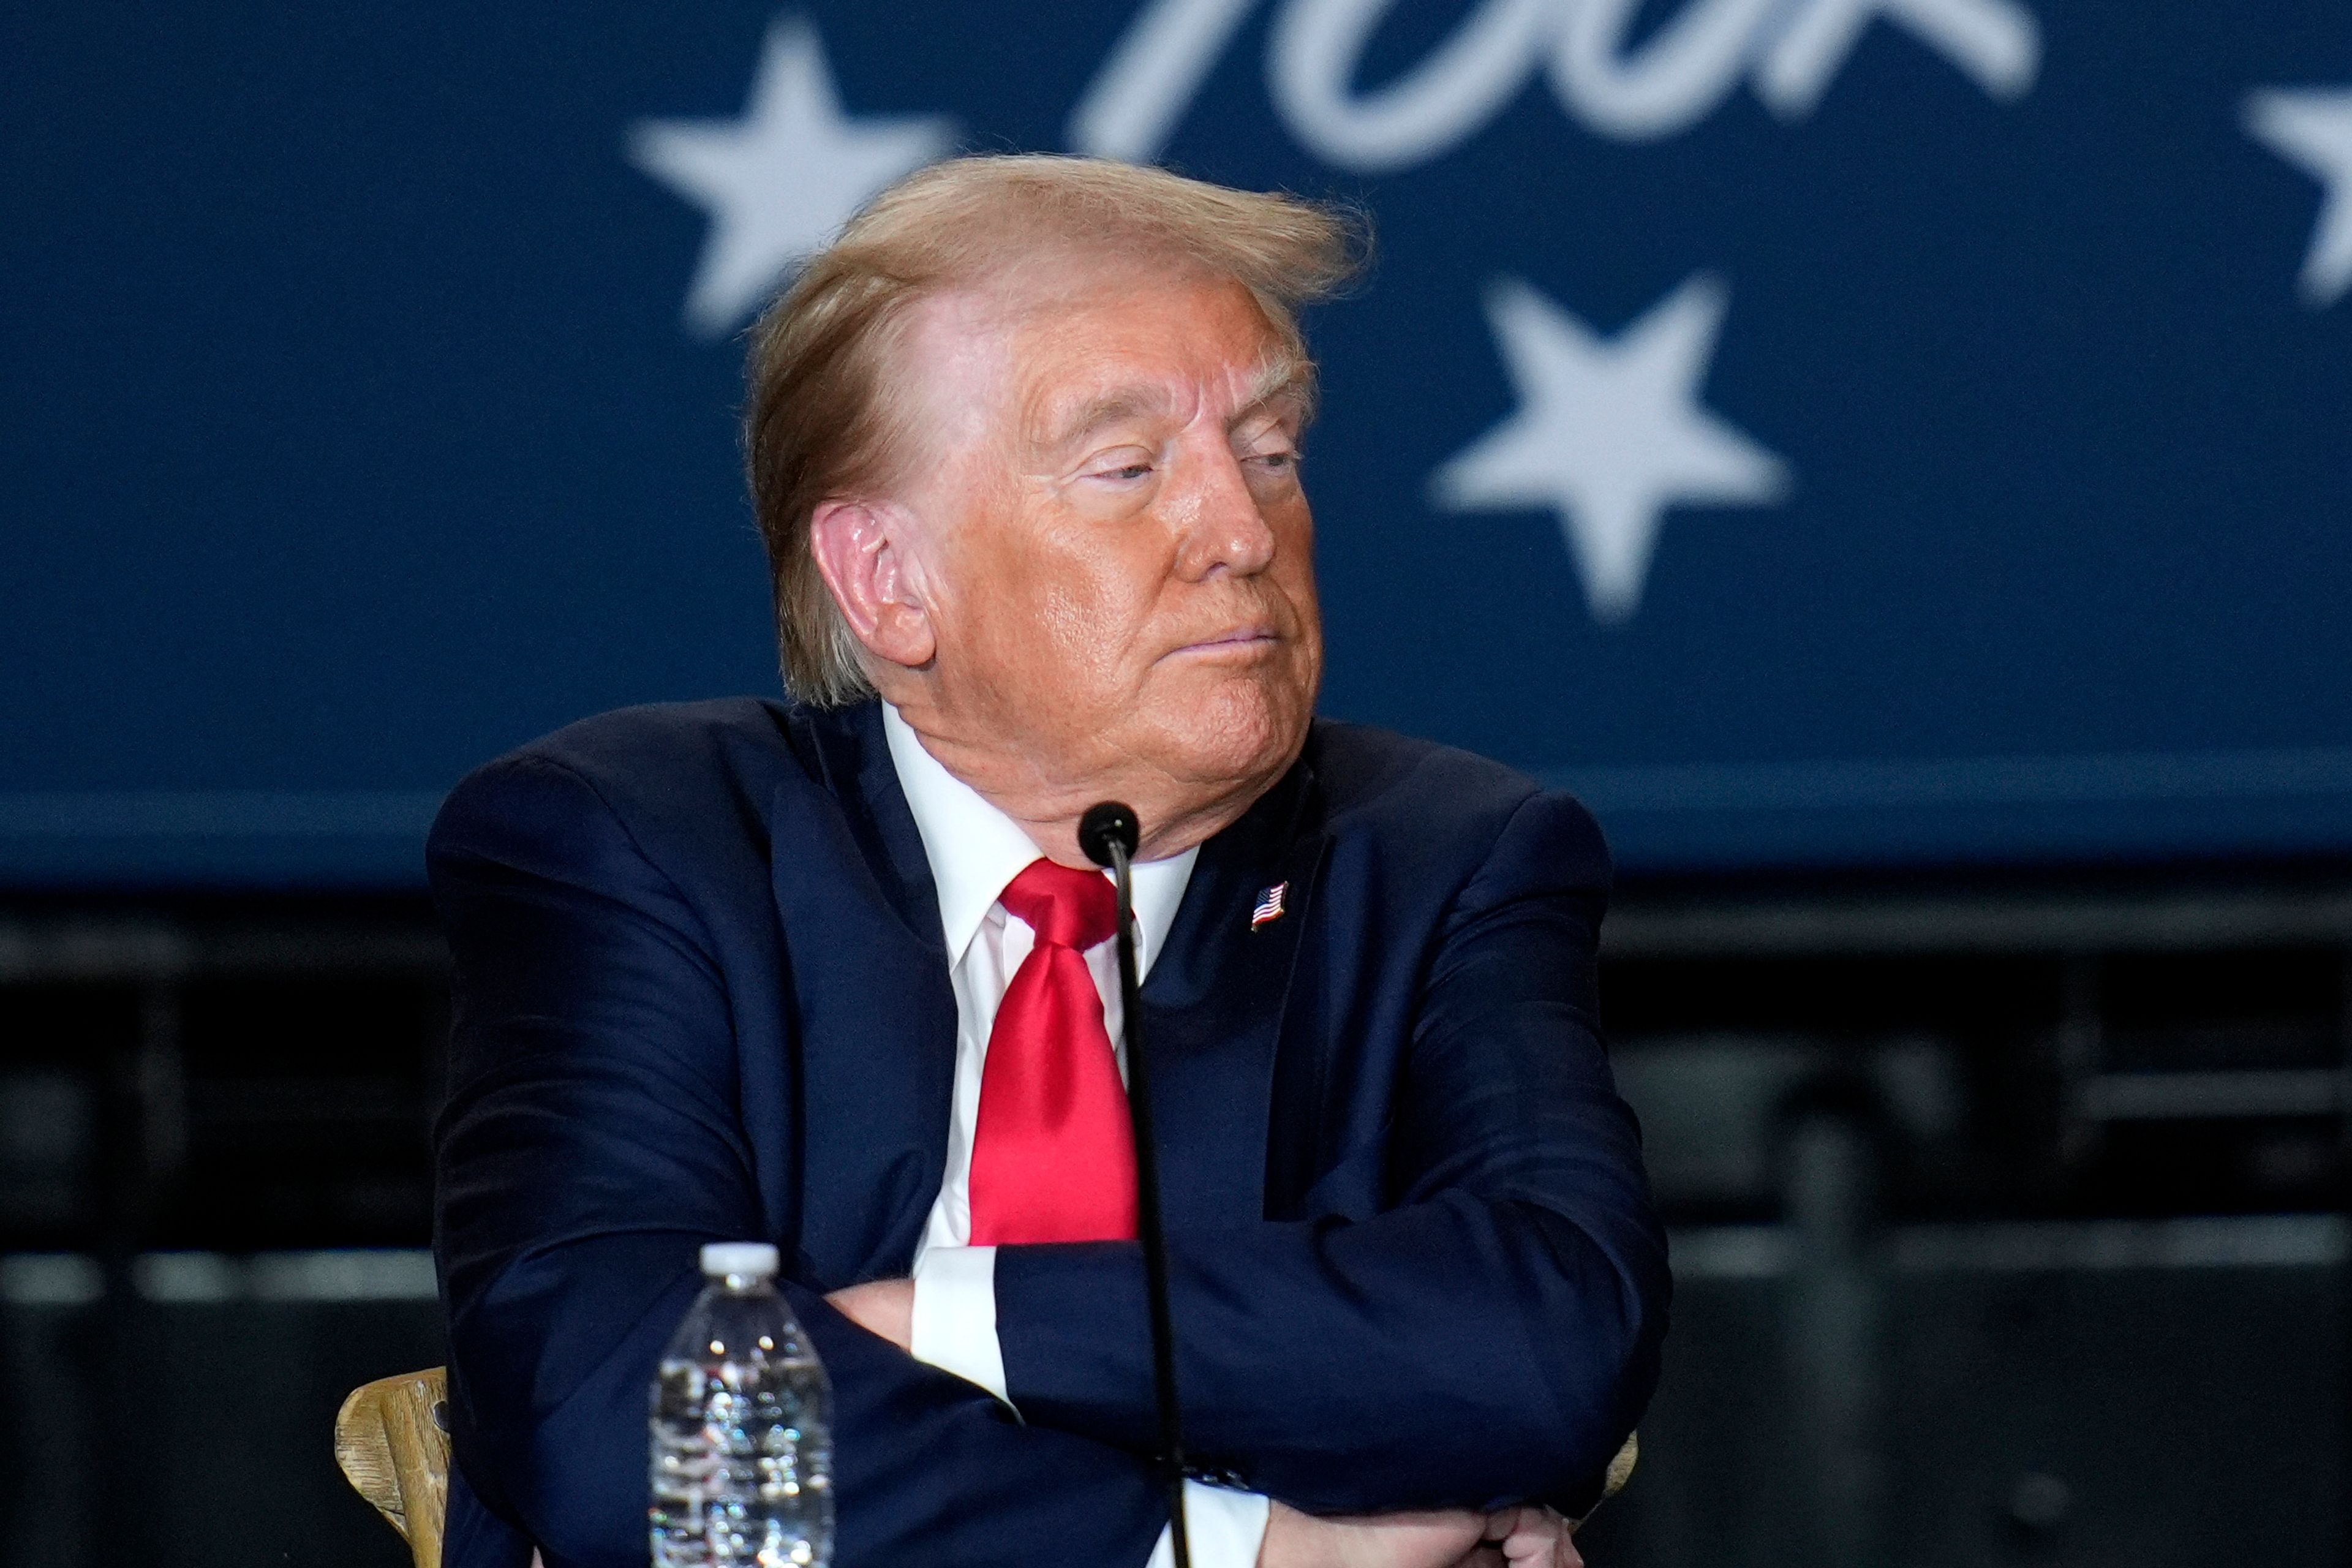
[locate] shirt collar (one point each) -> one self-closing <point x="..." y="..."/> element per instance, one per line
<point x="975" y="850"/>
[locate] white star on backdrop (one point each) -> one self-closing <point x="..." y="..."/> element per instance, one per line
<point x="2312" y="129"/>
<point x="781" y="181"/>
<point x="1609" y="433"/>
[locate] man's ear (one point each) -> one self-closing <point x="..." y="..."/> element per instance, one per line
<point x="861" y="549"/>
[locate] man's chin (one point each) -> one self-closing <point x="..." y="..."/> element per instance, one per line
<point x="1243" y="739"/>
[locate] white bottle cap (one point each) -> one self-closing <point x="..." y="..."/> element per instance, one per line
<point x="756" y="1258"/>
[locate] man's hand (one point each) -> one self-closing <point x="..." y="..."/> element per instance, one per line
<point x="1515" y="1537"/>
<point x="1531" y="1537"/>
<point x="883" y="1306"/>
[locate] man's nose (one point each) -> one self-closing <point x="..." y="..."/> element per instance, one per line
<point x="1227" y="529"/>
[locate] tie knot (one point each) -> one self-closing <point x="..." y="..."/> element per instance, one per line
<point x="1066" y="908"/>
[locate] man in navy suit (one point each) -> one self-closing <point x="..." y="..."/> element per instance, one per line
<point x="833" y="973"/>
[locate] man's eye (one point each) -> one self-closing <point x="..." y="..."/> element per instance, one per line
<point x="1124" y="472"/>
<point x="1276" y="462"/>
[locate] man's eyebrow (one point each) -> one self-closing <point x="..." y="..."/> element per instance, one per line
<point x="1061" y="427"/>
<point x="1285" y="375"/>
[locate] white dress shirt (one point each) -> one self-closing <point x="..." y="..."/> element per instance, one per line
<point x="974" y="851"/>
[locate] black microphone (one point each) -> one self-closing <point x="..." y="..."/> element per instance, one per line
<point x="1109" y="834"/>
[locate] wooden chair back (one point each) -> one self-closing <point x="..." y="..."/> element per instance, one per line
<point x="391" y="1439"/>
<point x="1621" y="1470"/>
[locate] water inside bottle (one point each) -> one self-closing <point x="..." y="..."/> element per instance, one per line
<point x="742" y="1472"/>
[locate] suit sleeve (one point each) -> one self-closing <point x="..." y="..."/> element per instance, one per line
<point x="1488" y="1340"/>
<point x="591" y="1144"/>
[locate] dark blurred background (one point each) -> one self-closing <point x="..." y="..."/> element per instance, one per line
<point x="1887" y="456"/>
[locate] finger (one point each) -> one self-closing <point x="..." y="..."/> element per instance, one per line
<point x="1536" y="1538"/>
<point x="1526" y="1519"/>
<point x="1526" y="1549"/>
<point x="1565" y="1553"/>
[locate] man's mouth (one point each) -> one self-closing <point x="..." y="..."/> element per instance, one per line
<point x="1246" y="639"/>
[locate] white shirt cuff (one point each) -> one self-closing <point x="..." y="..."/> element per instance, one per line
<point x="1224" y="1527"/>
<point x="955" y="1315"/>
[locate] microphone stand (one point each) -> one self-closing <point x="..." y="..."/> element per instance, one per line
<point x="1109" y="834"/>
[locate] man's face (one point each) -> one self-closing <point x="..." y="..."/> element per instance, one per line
<point x="1116" y="555"/>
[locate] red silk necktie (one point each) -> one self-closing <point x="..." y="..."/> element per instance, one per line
<point x="1053" y="1158"/>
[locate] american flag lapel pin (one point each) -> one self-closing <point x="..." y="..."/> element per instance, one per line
<point x="1269" y="905"/>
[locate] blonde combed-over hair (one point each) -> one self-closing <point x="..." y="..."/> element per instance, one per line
<point x="821" y="420"/>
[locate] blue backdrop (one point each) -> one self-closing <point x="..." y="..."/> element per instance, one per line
<point x="1822" y="432"/>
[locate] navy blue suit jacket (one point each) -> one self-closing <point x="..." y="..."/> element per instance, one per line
<point x="702" y="993"/>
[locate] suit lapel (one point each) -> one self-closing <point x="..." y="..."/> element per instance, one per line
<point x="1214" y="1002"/>
<point x="868" y="968"/>
<point x="875" y="1011"/>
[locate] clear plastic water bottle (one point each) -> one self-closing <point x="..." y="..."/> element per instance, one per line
<point x="742" y="1431"/>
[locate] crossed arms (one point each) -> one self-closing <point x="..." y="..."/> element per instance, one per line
<point x="1486" y="1340"/>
